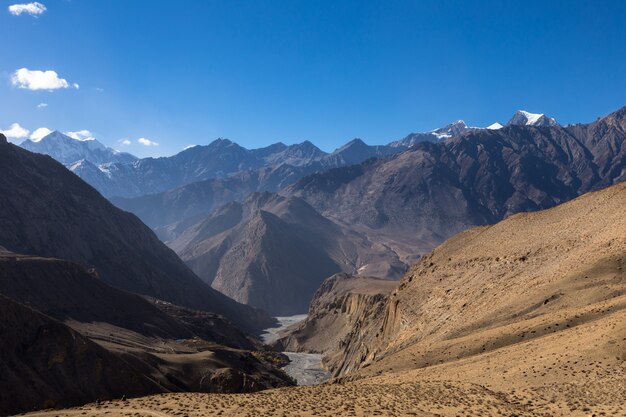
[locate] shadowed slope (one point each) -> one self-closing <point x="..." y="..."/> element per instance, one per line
<point x="49" y="211"/>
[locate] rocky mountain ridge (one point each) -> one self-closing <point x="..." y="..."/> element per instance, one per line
<point x="117" y="174"/>
<point x="339" y="307"/>
<point x="434" y="190"/>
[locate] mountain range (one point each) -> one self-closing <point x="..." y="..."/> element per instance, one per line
<point x="434" y="190"/>
<point x="531" y="284"/>
<point x="407" y="202"/>
<point x="68" y="150"/>
<point x="119" y="174"/>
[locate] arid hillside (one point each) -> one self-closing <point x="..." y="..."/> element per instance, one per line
<point x="525" y="278"/>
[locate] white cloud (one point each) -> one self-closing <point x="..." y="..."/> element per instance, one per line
<point x="42" y="105"/>
<point x="39" y="80"/>
<point x="126" y="142"/>
<point x="189" y="147"/>
<point x="40" y="133"/>
<point x="147" y="142"/>
<point x="81" y="135"/>
<point x="33" y="9"/>
<point x="15" y="131"/>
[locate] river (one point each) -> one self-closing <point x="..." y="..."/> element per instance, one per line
<point x="305" y="368"/>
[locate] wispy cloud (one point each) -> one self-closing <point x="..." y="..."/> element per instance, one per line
<point x="15" y="131"/>
<point x="42" y="105"/>
<point x="125" y="142"/>
<point x="40" y="133"/>
<point x="81" y="135"/>
<point x="34" y="9"/>
<point x="39" y="80"/>
<point x="147" y="142"/>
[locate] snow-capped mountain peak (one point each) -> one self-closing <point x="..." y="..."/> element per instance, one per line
<point x="524" y="118"/>
<point x="494" y="126"/>
<point x="69" y="150"/>
<point x="453" y="129"/>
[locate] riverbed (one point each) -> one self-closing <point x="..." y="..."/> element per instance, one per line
<point x="305" y="368"/>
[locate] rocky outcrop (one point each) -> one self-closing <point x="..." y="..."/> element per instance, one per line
<point x="336" y="314"/>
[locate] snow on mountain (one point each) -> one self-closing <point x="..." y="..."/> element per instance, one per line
<point x="494" y="126"/>
<point x="436" y="135"/>
<point x="524" y="118"/>
<point x="450" y="130"/>
<point x="69" y="150"/>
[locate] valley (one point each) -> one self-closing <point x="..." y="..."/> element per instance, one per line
<point x="475" y="272"/>
<point x="541" y="334"/>
<point x="305" y="368"/>
<point x="312" y="208"/>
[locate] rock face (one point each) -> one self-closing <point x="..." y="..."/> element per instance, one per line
<point x="273" y="252"/>
<point x="434" y="190"/>
<point x="52" y="213"/>
<point x="339" y="307"/>
<point x="528" y="277"/>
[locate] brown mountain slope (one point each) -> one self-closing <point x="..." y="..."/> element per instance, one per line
<point x="529" y="277"/>
<point x="48" y="211"/>
<point x="273" y="252"/>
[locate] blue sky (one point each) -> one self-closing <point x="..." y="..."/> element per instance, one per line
<point x="258" y="72"/>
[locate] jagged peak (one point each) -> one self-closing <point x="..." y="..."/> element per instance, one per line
<point x="356" y="142"/>
<point x="526" y="118"/>
<point x="222" y="142"/>
<point x="495" y="126"/>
